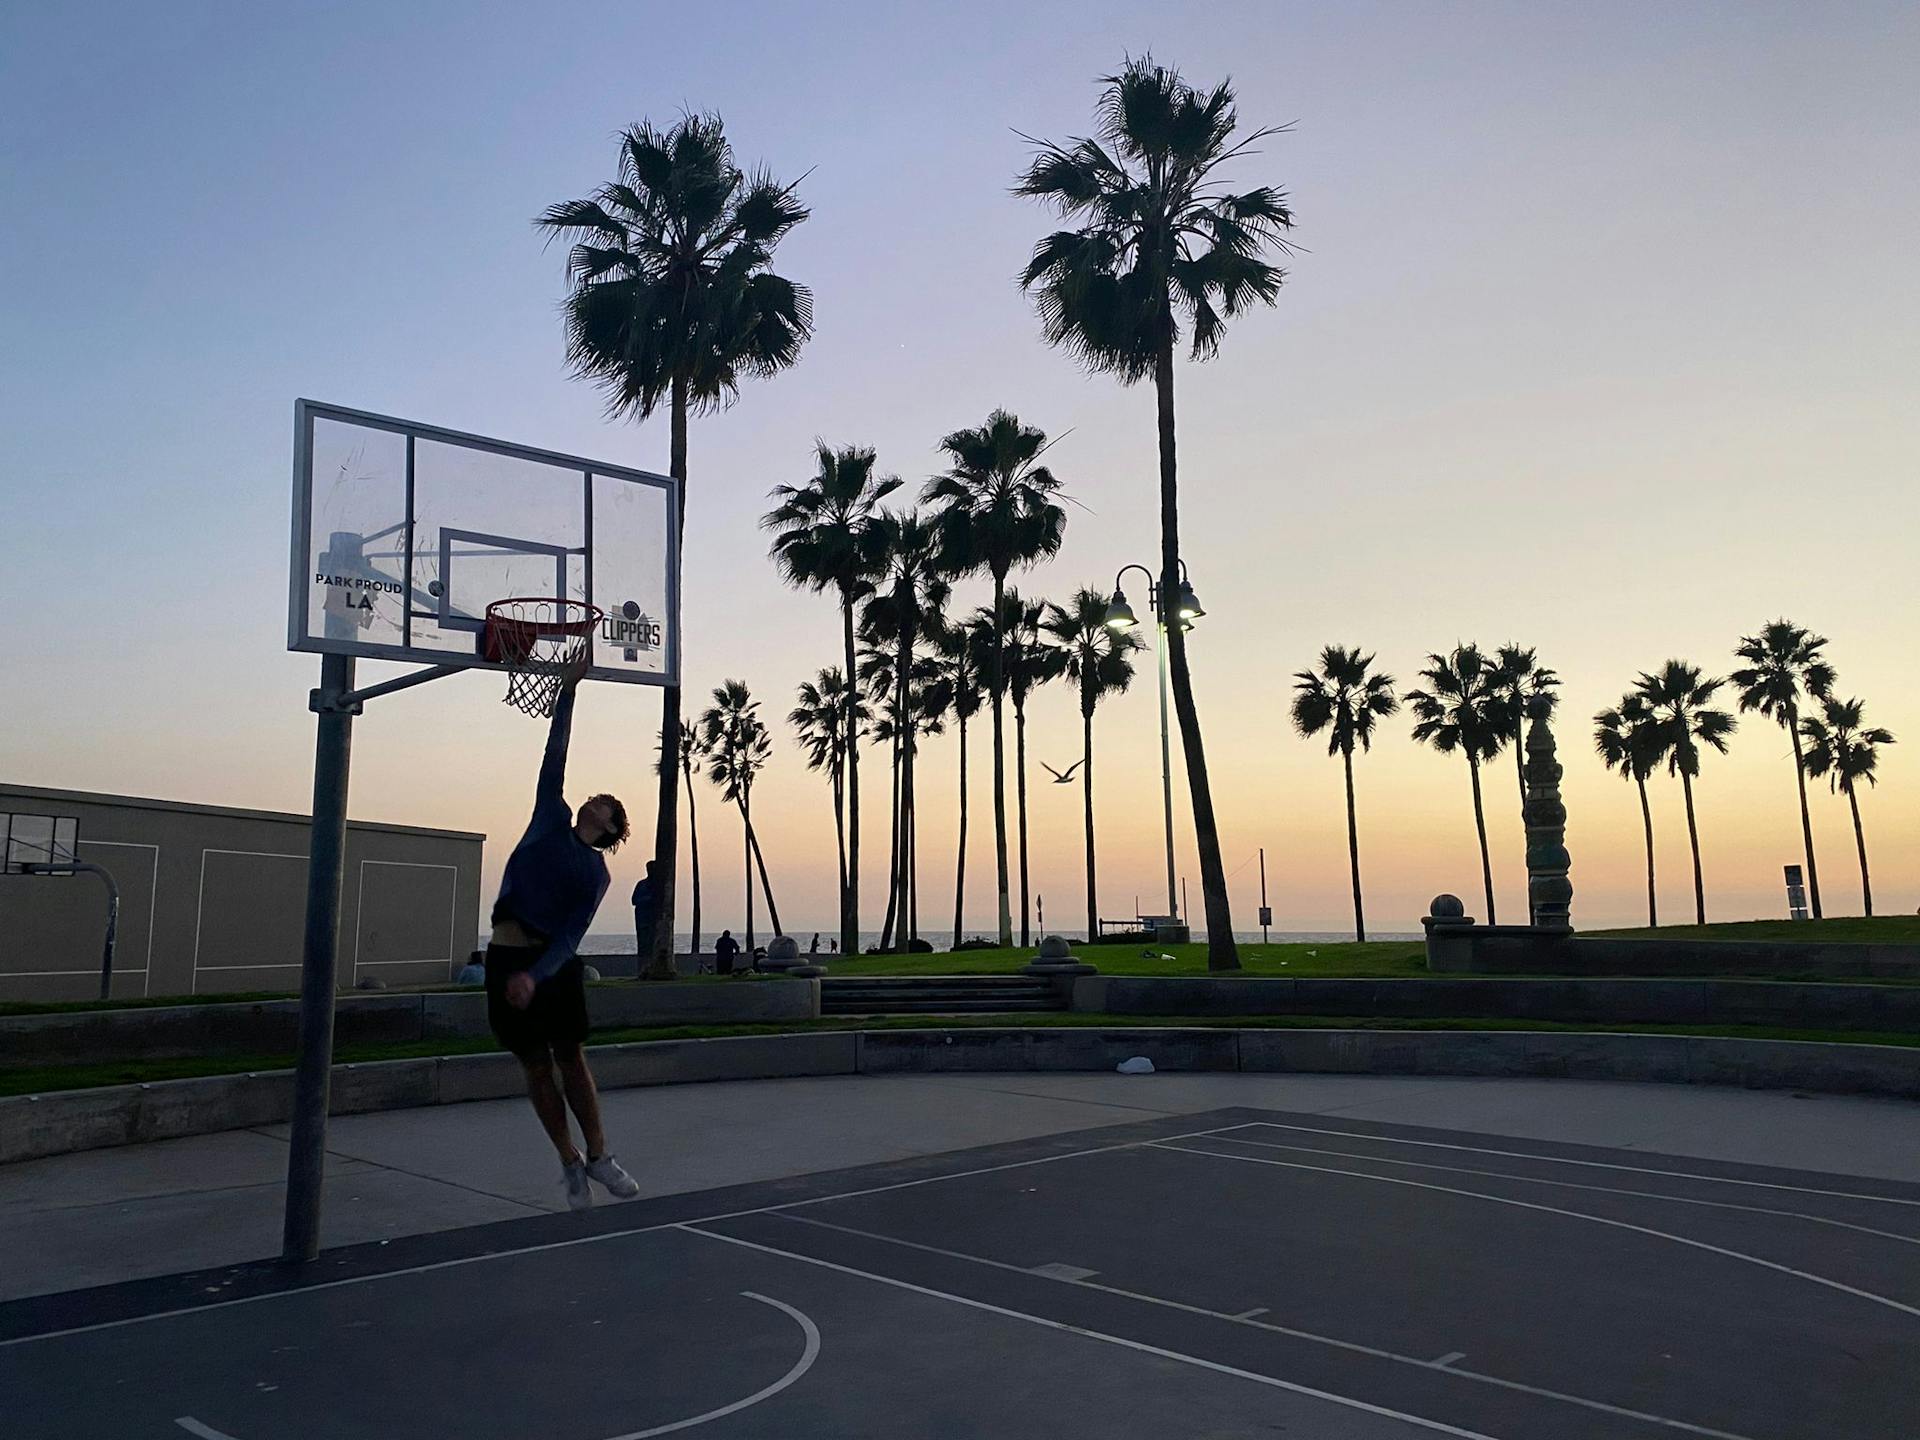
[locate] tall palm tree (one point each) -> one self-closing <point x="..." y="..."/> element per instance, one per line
<point x="923" y="718"/>
<point x="1099" y="661"/>
<point x="1028" y="661"/>
<point x="738" y="748"/>
<point x="1344" y="699"/>
<point x="997" y="513"/>
<point x="1841" y="745"/>
<point x="1461" y="710"/>
<point x="1627" y="739"/>
<point x="1783" y="664"/>
<point x="909" y="591"/>
<point x="692" y="762"/>
<point x="1683" y="719"/>
<point x="1163" y="245"/>
<point x="818" y="542"/>
<point x="958" y="690"/>
<point x="829" y="714"/>
<point x="673" y="297"/>
<point x="1520" y="679"/>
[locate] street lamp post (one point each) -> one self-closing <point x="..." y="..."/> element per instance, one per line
<point x="1120" y="616"/>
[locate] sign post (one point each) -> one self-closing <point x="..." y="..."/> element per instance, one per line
<point x="1266" y="912"/>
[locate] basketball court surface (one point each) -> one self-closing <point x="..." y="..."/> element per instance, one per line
<point x="1233" y="1273"/>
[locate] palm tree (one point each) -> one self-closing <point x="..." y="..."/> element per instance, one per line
<point x="909" y="592"/>
<point x="1345" y="699"/>
<point x="828" y="716"/>
<point x="1098" y="660"/>
<point x="1462" y="711"/>
<point x="958" y="690"/>
<point x="1163" y="243"/>
<point x="1027" y="662"/>
<point x="738" y="748"/>
<point x="1627" y="739"/>
<point x="692" y="760"/>
<point x="923" y="717"/>
<point x="818" y="542"/>
<point x="1519" y="680"/>
<point x="1682" y="719"/>
<point x="1783" y="663"/>
<point x="1840" y="745"/>
<point x="997" y="512"/>
<point x="673" y="297"/>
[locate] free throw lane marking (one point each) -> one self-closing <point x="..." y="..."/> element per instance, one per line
<point x="1556" y="1210"/>
<point x="1447" y="1359"/>
<point x="1247" y="1318"/>
<point x="1440" y="1427"/>
<point x="808" y="1354"/>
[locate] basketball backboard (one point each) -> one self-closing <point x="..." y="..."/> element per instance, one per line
<point x="29" y="840"/>
<point x="403" y="534"/>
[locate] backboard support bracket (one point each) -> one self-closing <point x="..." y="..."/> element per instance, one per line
<point x="351" y="702"/>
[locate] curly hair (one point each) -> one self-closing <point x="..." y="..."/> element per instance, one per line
<point x="618" y="827"/>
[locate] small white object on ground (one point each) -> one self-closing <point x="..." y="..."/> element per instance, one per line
<point x="1138" y="1065"/>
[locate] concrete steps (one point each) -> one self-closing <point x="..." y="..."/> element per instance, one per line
<point x="937" y="995"/>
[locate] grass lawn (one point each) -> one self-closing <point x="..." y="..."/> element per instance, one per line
<point x="1850" y="930"/>
<point x="48" y="1079"/>
<point x="1375" y="959"/>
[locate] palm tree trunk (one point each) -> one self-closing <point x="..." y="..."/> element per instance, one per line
<point x="1480" y="825"/>
<point x="1000" y="762"/>
<point x="893" y="860"/>
<point x="1086" y="781"/>
<point x="1806" y="822"/>
<point x="1520" y="772"/>
<point x="1020" y="781"/>
<point x="960" y="861"/>
<point x="903" y="727"/>
<point x="666" y="825"/>
<point x="850" y="901"/>
<point x="1646" y="823"/>
<point x="1353" y="851"/>
<point x="746" y="871"/>
<point x="1693" y="839"/>
<point x="693" y="844"/>
<point x="911" y="880"/>
<point x="760" y="860"/>
<point x="1222" y="953"/>
<point x="1860" y="839"/>
<point x="840" y="826"/>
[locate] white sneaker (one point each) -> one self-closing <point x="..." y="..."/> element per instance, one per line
<point x="609" y="1173"/>
<point x="579" y="1193"/>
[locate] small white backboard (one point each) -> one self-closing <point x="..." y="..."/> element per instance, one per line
<point x="404" y="533"/>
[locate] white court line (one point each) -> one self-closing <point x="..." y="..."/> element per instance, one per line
<point x="1120" y="1340"/>
<point x="1576" y="1185"/>
<point x="582" y="1240"/>
<point x="1591" y="1164"/>
<point x="808" y="1355"/>
<point x="1556" y="1210"/>
<point x="1444" y="1363"/>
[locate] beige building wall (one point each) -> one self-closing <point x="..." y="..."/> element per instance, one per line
<point x="214" y="900"/>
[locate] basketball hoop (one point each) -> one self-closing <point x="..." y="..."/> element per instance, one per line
<point x="538" y="640"/>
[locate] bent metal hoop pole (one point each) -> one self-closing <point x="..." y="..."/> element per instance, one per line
<point x="87" y="867"/>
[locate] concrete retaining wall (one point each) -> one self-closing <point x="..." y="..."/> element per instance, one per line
<point x="85" y="1037"/>
<point x="1817" y="1006"/>
<point x="1522" y="950"/>
<point x="32" y="1126"/>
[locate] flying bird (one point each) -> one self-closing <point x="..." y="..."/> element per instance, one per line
<point x="1058" y="778"/>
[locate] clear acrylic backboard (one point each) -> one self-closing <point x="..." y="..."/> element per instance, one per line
<point x="403" y="534"/>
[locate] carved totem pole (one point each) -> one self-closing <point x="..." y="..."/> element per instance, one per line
<point x="1549" y="891"/>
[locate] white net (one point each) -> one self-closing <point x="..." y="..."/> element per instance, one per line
<point x="539" y="641"/>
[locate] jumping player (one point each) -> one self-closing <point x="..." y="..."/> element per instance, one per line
<point x="536" y="988"/>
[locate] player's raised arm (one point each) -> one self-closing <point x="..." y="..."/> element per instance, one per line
<point x="550" y="790"/>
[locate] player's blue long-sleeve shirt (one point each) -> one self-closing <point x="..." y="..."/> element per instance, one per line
<point x="554" y="881"/>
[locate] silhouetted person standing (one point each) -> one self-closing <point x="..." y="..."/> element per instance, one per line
<point x="724" y="949"/>
<point x="643" y="906"/>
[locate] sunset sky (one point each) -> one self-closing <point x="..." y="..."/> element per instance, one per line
<point x="1605" y="338"/>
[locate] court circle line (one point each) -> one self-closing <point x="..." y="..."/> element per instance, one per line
<point x="809" y="1353"/>
<point x="1841" y="1286"/>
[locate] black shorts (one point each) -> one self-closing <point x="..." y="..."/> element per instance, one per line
<point x="557" y="1018"/>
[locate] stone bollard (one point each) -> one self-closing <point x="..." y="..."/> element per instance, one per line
<point x="1055" y="958"/>
<point x="783" y="955"/>
<point x="1549" y="890"/>
<point x="1447" y="924"/>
